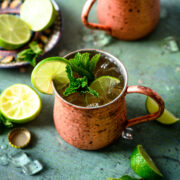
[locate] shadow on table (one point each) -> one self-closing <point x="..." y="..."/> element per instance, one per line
<point x="168" y="26"/>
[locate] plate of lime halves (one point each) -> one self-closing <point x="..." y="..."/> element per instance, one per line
<point x="28" y="30"/>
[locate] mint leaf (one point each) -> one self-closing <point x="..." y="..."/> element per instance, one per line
<point x="30" y="55"/>
<point x="82" y="65"/>
<point x="77" y="84"/>
<point x="35" y="48"/>
<point x="93" y="62"/>
<point x="5" y="121"/>
<point x="85" y="60"/>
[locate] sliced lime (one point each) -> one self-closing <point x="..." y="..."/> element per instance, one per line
<point x="108" y="89"/>
<point x="13" y="32"/>
<point x="47" y="71"/>
<point x="39" y="15"/>
<point x="143" y="165"/>
<point x="20" y="103"/>
<point x="166" y="118"/>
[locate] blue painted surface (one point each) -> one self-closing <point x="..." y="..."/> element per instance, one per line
<point x="147" y="64"/>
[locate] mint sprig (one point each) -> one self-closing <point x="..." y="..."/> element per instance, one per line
<point x="77" y="84"/>
<point x="5" y="122"/>
<point x="30" y="55"/>
<point x="84" y="66"/>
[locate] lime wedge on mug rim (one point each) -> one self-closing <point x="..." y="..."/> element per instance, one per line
<point x="39" y="15"/>
<point x="14" y="32"/>
<point x="102" y="85"/>
<point x="166" y="118"/>
<point x="20" y="103"/>
<point x="47" y="71"/>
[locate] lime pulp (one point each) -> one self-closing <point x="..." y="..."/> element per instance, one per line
<point x="13" y="32"/>
<point x="47" y="71"/>
<point x="20" y="103"/>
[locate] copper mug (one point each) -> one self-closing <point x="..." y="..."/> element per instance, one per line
<point x="92" y="128"/>
<point x="124" y="19"/>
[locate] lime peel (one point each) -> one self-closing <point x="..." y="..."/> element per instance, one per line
<point x="47" y="71"/>
<point x="166" y="118"/>
<point x="39" y="15"/>
<point x="103" y="85"/>
<point x="143" y="165"/>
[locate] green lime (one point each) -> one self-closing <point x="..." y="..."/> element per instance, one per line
<point x="39" y="15"/>
<point x="166" y="118"/>
<point x="20" y="103"/>
<point x="125" y="177"/>
<point x="143" y="165"/>
<point x="47" y="71"/>
<point x="107" y="88"/>
<point x="13" y="32"/>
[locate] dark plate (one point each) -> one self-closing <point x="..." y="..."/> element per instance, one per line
<point x="47" y="39"/>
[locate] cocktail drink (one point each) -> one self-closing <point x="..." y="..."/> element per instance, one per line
<point x="109" y="86"/>
<point x="90" y="107"/>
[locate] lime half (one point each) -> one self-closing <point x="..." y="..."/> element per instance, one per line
<point x="166" y="118"/>
<point x="143" y="165"/>
<point x="38" y="14"/>
<point x="13" y="32"/>
<point x="108" y="88"/>
<point x="47" y="71"/>
<point x="20" y="103"/>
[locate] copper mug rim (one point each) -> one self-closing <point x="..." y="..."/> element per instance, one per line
<point x="123" y="72"/>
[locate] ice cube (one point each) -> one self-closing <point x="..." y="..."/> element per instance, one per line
<point x="170" y="44"/>
<point x="163" y="13"/>
<point x="101" y="39"/>
<point x="3" y="149"/>
<point x="20" y="159"/>
<point x="3" y="146"/>
<point x="4" y="160"/>
<point x="32" y="167"/>
<point x="128" y="133"/>
<point x="93" y="105"/>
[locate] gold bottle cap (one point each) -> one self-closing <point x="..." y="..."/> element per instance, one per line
<point x="19" y="137"/>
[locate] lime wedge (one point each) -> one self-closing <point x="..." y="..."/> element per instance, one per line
<point x="13" y="32"/>
<point x="143" y="165"/>
<point x="48" y="70"/>
<point x="166" y="118"/>
<point x="107" y="88"/>
<point x="125" y="177"/>
<point x="20" y="103"/>
<point x="39" y="15"/>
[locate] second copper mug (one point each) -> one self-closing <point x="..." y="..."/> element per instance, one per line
<point x="92" y="128"/>
<point x="124" y="19"/>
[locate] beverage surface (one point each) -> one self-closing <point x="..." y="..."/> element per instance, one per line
<point x="108" y="88"/>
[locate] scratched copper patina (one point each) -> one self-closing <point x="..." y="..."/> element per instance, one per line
<point x="124" y="19"/>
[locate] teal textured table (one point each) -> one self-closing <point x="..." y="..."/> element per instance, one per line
<point x="148" y="64"/>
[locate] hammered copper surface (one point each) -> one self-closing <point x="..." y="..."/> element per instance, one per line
<point x="89" y="129"/>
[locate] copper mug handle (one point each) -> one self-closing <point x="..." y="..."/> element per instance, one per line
<point x="84" y="18"/>
<point x="151" y="93"/>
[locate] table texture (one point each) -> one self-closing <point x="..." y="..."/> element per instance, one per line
<point x="148" y="64"/>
